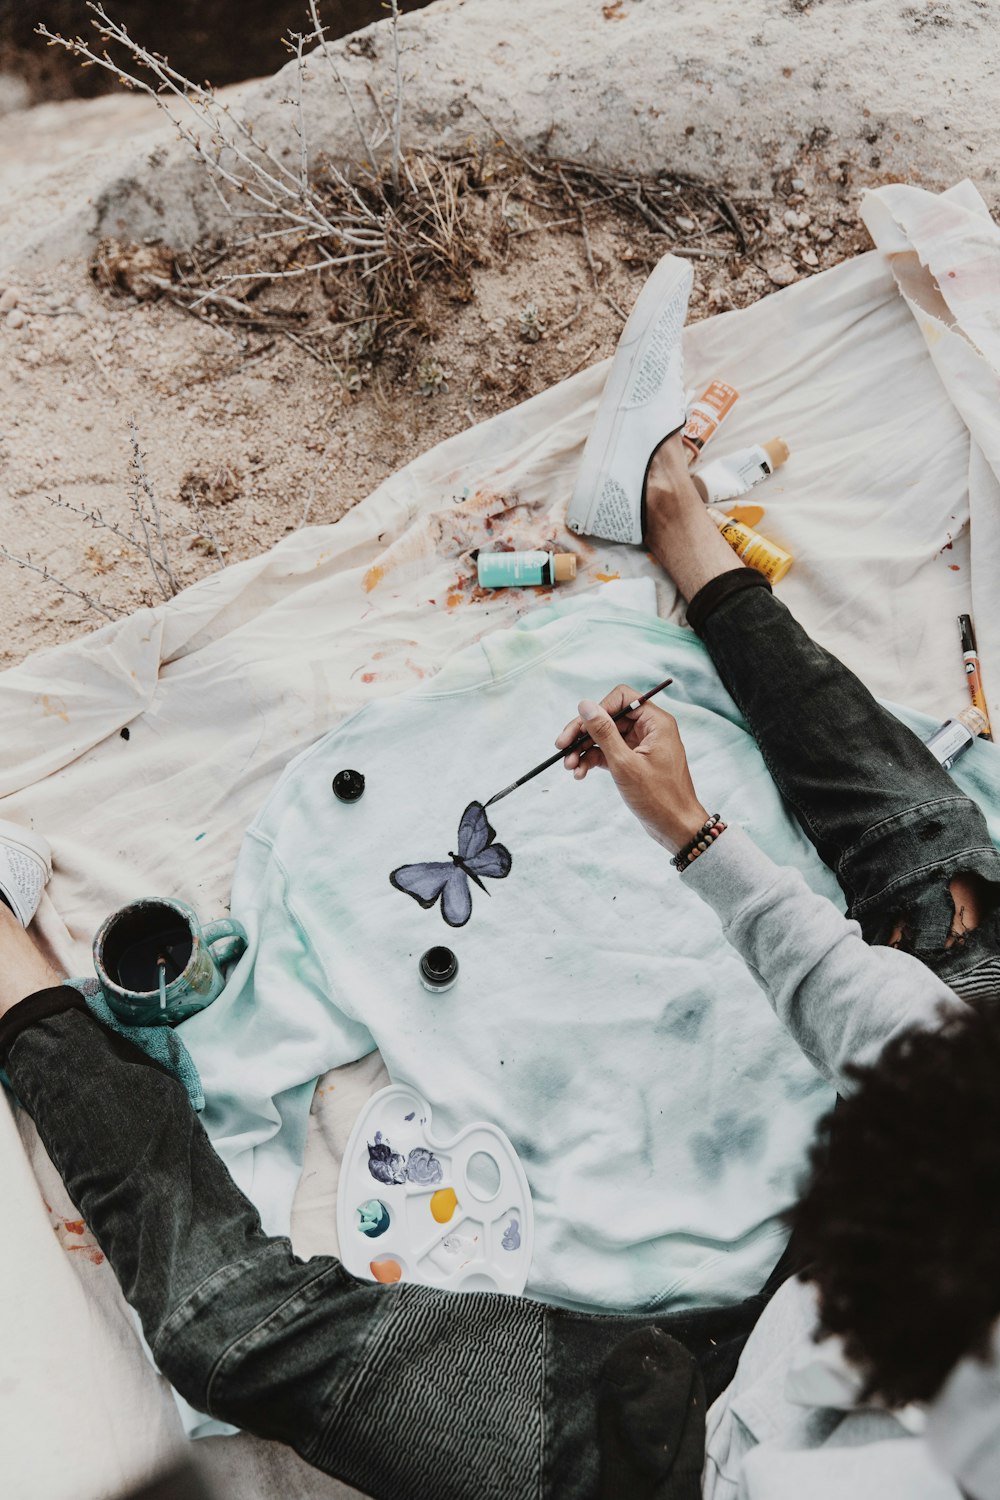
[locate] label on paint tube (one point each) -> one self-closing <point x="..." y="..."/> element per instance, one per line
<point x="947" y="743"/>
<point x="706" y="416"/>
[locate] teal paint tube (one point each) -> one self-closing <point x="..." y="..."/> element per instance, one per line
<point x="504" y="570"/>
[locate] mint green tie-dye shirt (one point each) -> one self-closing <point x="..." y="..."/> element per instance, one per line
<point x="660" y="1109"/>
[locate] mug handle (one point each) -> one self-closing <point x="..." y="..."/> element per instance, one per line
<point x="231" y="934"/>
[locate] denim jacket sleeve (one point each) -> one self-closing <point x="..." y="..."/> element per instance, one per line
<point x="841" y="999"/>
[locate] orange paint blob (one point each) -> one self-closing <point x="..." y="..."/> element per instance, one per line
<point x="444" y="1204"/>
<point x="373" y="577"/>
<point x="369" y="677"/>
<point x="748" y="514"/>
<point x="386" y="1271"/>
<point x="74" y="1226"/>
<point x="954" y="567"/>
<point x="607" y="577"/>
<point x="452" y="600"/>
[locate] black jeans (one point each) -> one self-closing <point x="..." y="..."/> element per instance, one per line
<point x="881" y="811"/>
<point x="411" y="1393"/>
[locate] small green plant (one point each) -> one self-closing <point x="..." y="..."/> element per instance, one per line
<point x="432" y="380"/>
<point x="531" y="325"/>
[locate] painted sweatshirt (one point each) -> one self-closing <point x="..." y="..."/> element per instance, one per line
<point x="661" y="1110"/>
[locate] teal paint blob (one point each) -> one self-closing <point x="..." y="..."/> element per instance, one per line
<point x="373" y="1218"/>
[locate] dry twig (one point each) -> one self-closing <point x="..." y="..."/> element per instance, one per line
<point x="60" y="583"/>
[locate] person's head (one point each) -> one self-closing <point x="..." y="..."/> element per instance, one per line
<point x="898" y="1225"/>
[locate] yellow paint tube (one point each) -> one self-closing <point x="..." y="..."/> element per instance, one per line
<point x="755" y="550"/>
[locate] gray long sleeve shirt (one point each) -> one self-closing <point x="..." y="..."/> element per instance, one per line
<point x="841" y="1000"/>
<point x="789" y="1424"/>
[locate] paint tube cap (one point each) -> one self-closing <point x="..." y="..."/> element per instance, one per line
<point x="974" y="720"/>
<point x="563" y="566"/>
<point x="348" y="786"/>
<point x="777" y="451"/>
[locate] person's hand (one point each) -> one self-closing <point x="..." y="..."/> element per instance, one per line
<point x="646" y="758"/>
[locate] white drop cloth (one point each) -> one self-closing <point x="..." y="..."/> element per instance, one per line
<point x="890" y="404"/>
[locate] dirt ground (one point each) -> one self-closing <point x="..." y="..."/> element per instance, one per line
<point x="247" y="436"/>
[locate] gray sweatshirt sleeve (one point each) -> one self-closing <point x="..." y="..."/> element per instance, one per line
<point x="840" y="999"/>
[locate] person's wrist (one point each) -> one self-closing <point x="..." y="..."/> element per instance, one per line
<point x="682" y="826"/>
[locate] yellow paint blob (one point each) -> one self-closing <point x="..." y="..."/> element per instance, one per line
<point x="386" y="1271"/>
<point x="607" y="577"/>
<point x="373" y="577"/>
<point x="750" y="515"/>
<point x="444" y="1204"/>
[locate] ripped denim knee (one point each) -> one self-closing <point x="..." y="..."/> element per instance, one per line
<point x="926" y="918"/>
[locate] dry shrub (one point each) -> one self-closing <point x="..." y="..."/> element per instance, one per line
<point x="128" y="269"/>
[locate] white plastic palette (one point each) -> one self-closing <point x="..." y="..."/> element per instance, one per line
<point x="453" y="1214"/>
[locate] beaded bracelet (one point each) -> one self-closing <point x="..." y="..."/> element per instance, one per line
<point x="701" y="841"/>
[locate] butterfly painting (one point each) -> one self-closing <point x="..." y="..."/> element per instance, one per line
<point x="477" y="856"/>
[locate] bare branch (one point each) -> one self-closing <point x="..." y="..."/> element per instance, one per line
<point x="60" y="583"/>
<point x="397" y="103"/>
<point x="319" y="32"/>
<point x="140" y="485"/>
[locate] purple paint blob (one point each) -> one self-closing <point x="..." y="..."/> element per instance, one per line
<point x="385" y="1165"/>
<point x="512" y="1236"/>
<point x="423" y="1167"/>
<point x="410" y="1115"/>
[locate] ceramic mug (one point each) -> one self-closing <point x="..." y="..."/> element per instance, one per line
<point x="157" y="964"/>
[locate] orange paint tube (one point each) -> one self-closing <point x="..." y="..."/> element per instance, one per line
<point x="706" y="416"/>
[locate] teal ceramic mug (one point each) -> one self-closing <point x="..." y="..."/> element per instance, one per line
<point x="157" y="964"/>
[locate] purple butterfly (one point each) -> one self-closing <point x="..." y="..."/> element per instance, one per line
<point x="477" y="855"/>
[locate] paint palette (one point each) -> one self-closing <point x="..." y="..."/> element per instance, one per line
<point x="453" y="1214"/>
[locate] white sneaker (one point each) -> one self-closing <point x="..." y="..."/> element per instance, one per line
<point x="25" y="867"/>
<point x="643" y="402"/>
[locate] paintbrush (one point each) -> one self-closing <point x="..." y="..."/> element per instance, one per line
<point x="583" y="742"/>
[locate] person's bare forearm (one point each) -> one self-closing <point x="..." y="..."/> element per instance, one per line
<point x="23" y="970"/>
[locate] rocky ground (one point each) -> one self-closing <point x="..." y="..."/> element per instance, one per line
<point x="249" y="432"/>
<point x="247" y="435"/>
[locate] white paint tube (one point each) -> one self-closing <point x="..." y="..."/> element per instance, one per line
<point x="728" y="478"/>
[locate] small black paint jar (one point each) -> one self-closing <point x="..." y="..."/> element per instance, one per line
<point x="438" y="970"/>
<point x="348" y="786"/>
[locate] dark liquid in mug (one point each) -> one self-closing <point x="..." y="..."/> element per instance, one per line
<point x="139" y="965"/>
<point x="135" y="945"/>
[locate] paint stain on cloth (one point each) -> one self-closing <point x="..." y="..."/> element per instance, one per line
<point x="74" y="1237"/>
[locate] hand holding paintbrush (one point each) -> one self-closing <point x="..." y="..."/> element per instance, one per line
<point x="646" y="759"/>
<point x="641" y="746"/>
<point x="582" y="742"/>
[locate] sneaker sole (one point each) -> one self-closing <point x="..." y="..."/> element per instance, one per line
<point x="604" y="434"/>
<point x="30" y="843"/>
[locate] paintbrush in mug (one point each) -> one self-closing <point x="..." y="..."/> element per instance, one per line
<point x="583" y="742"/>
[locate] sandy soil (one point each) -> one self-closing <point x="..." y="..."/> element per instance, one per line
<point x="247" y="437"/>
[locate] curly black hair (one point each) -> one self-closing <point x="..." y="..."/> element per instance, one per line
<point x="898" y="1225"/>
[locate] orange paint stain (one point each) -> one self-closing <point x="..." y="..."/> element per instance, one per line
<point x="386" y="1271"/>
<point x="452" y="600"/>
<point x="74" y="1226"/>
<point x="748" y="514"/>
<point x="607" y="577"/>
<point x="54" y="706"/>
<point x="372" y="578"/>
<point x="369" y="677"/>
<point x="954" y="567"/>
